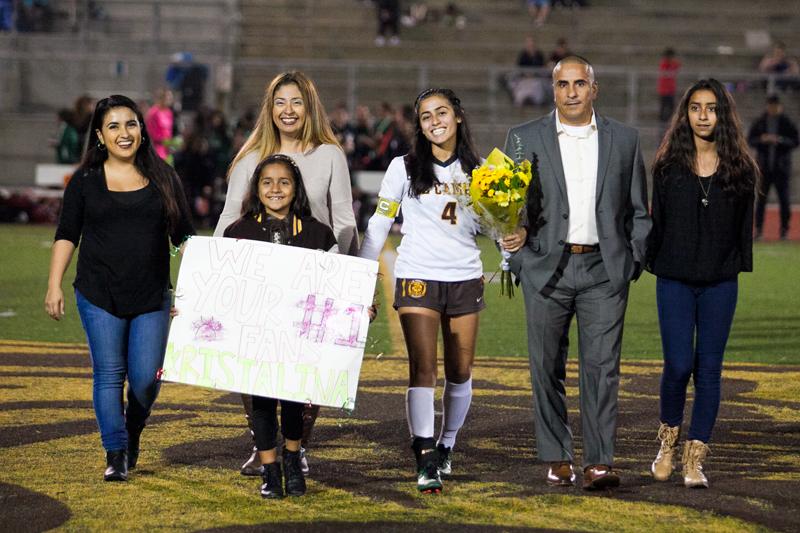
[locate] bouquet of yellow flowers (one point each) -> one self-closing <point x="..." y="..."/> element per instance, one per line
<point x="497" y="196"/>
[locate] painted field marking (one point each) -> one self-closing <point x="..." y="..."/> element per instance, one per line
<point x="45" y="348"/>
<point x="8" y="342"/>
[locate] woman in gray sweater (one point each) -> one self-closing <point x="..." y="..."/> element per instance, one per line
<point x="293" y="122"/>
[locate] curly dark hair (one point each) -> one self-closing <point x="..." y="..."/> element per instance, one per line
<point x="147" y="161"/>
<point x="300" y="205"/>
<point x="737" y="171"/>
<point x="419" y="161"/>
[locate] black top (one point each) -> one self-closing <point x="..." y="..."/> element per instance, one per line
<point x="526" y="59"/>
<point x="694" y="243"/>
<point x="130" y="197"/>
<point x="774" y="158"/>
<point x="305" y="232"/>
<point x="123" y="260"/>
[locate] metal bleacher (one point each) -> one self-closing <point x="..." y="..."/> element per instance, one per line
<point x="332" y="40"/>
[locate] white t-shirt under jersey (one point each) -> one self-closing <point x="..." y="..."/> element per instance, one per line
<point x="438" y="233"/>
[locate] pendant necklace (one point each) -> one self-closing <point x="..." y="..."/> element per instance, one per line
<point x="704" y="199"/>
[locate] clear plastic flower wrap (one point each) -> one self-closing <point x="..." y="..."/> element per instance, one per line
<point x="497" y="195"/>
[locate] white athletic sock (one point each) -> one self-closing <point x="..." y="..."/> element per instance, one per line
<point x="456" y="400"/>
<point x="419" y="411"/>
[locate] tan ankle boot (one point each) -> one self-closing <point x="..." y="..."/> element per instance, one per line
<point x="664" y="464"/>
<point x="694" y="453"/>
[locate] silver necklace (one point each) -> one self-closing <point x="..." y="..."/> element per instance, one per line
<point x="704" y="199"/>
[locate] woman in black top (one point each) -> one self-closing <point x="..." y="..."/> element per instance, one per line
<point x="703" y="188"/>
<point x="276" y="209"/>
<point x="123" y="205"/>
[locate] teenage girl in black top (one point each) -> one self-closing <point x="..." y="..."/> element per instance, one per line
<point x="276" y="209"/>
<point x="703" y="189"/>
<point x="123" y="206"/>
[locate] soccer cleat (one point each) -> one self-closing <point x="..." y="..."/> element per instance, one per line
<point x="445" y="459"/>
<point x="428" y="479"/>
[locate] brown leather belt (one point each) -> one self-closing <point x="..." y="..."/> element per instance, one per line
<point x="582" y="248"/>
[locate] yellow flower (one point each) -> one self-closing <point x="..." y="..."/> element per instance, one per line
<point x="501" y="198"/>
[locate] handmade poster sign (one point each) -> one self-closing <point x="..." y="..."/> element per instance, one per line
<point x="270" y="320"/>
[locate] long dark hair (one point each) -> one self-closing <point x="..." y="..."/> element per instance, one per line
<point x="300" y="205"/>
<point x="419" y="161"/>
<point x="147" y="162"/>
<point x="737" y="171"/>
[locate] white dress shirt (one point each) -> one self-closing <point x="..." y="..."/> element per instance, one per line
<point x="579" y="149"/>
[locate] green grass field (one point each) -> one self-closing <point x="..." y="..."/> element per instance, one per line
<point x="765" y="328"/>
<point x="51" y="461"/>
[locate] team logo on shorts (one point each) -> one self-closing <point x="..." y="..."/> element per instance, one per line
<point x="417" y="288"/>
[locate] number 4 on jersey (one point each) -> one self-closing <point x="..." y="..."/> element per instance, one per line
<point x="449" y="213"/>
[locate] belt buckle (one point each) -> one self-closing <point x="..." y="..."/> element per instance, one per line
<point x="581" y="248"/>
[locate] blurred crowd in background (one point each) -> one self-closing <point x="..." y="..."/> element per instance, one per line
<point x="200" y="144"/>
<point x="41" y="15"/>
<point x="200" y="141"/>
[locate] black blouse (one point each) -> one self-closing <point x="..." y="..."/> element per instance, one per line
<point x="305" y="232"/>
<point x="697" y="243"/>
<point x="123" y="259"/>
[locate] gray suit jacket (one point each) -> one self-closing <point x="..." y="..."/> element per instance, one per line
<point x="623" y="221"/>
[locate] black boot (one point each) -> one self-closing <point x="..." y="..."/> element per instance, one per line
<point x="295" y="481"/>
<point x="134" y="435"/>
<point x="429" y="480"/>
<point x="117" y="469"/>
<point x="273" y="481"/>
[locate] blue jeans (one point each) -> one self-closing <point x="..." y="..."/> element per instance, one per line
<point x="132" y="346"/>
<point x="695" y="321"/>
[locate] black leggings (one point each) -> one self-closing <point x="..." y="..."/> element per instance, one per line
<point x="265" y="421"/>
<point x="387" y="21"/>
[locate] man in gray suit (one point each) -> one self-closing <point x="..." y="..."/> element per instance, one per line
<point x="585" y="242"/>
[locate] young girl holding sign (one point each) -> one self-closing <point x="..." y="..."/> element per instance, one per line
<point x="439" y="273"/>
<point x="276" y="209"/>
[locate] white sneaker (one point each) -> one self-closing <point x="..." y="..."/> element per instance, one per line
<point x="304" y="462"/>
<point x="428" y="479"/>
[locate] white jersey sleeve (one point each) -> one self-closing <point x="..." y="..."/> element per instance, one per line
<point x="393" y="187"/>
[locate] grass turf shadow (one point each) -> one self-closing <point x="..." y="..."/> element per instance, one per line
<point x="25" y="510"/>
